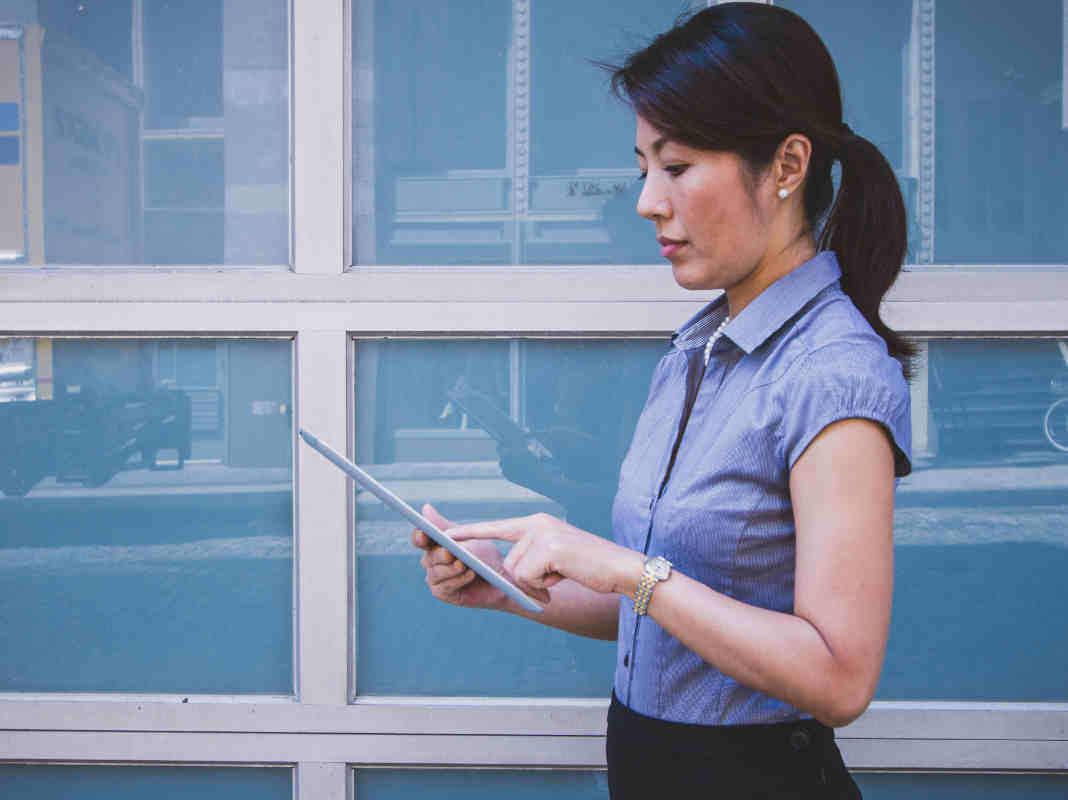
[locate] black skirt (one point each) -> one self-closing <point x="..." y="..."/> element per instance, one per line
<point x="649" y="757"/>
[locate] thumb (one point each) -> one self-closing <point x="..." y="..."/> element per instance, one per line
<point x="435" y="516"/>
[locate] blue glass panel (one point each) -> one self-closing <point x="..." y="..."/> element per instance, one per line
<point x="484" y="134"/>
<point x="40" y="782"/>
<point x="100" y="29"/>
<point x="980" y="604"/>
<point x="450" y="423"/>
<point x="399" y="784"/>
<point x="980" y="609"/>
<point x="9" y="150"/>
<point x="185" y="175"/>
<point x="183" y="160"/>
<point x="9" y="116"/>
<point x="898" y="786"/>
<point x="146" y="521"/>
<point x="966" y="99"/>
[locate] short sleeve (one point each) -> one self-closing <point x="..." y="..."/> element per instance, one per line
<point x="845" y="381"/>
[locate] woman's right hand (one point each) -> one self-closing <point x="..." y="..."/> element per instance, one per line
<point x="452" y="581"/>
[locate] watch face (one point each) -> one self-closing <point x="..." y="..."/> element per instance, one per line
<point x="660" y="568"/>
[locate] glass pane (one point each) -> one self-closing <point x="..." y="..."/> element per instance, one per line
<point x="144" y="133"/>
<point x="402" y="784"/>
<point x="146" y="522"/>
<point x="898" y="786"/>
<point x="979" y="138"/>
<point x="484" y="430"/>
<point x="483" y="134"/>
<point x="136" y="783"/>
<point x="980" y="605"/>
<point x="979" y="525"/>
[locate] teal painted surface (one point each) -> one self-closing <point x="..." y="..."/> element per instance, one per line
<point x="39" y="782"/>
<point x="116" y="577"/>
<point x="399" y="784"/>
<point x="980" y="607"/>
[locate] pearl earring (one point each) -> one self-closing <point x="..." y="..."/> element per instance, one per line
<point x="784" y="193"/>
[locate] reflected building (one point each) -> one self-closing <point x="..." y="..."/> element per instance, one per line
<point x="144" y="133"/>
<point x="83" y="411"/>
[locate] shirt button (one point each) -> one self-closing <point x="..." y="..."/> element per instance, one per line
<point x="800" y="739"/>
<point x="626" y="659"/>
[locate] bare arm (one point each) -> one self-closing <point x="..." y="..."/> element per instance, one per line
<point x="826" y="657"/>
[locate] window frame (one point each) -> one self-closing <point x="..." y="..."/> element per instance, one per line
<point x="325" y="307"/>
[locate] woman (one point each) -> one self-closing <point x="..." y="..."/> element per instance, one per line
<point x="749" y="583"/>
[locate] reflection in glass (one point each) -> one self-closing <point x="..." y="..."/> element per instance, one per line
<point x="146" y="518"/>
<point x="484" y="430"/>
<point x="48" y="782"/>
<point x="505" y="428"/>
<point x="398" y="784"/>
<point x="408" y="784"/>
<point x="980" y="601"/>
<point x="902" y="785"/>
<point x="483" y="134"/>
<point x="978" y="138"/>
<point x="144" y="133"/>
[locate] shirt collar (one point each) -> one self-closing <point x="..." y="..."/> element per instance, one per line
<point x="767" y="312"/>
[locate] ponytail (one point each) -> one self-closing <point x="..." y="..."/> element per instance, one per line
<point x="868" y="230"/>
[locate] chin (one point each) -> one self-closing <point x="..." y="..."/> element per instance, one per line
<point x="688" y="279"/>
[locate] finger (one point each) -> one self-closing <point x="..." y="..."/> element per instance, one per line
<point x="436" y="517"/>
<point x="437" y="574"/>
<point x="506" y="530"/>
<point x="436" y="555"/>
<point x="516" y="554"/>
<point x="550" y="580"/>
<point x="421" y="540"/>
<point x="454" y="584"/>
<point x="439" y="555"/>
<point x="541" y="595"/>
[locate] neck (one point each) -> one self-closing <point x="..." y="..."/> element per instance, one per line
<point x="773" y="266"/>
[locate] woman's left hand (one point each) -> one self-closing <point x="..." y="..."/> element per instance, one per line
<point x="546" y="550"/>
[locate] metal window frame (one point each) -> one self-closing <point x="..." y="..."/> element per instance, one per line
<point x="324" y="308"/>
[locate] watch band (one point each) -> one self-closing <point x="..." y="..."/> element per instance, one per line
<point x="656" y="569"/>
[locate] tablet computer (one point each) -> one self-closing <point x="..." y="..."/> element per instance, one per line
<point x="483" y="569"/>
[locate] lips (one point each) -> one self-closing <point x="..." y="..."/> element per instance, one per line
<point x="668" y="247"/>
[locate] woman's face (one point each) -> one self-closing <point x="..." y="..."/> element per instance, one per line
<point x="712" y="223"/>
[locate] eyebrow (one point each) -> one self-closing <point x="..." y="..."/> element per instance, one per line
<point x="658" y="145"/>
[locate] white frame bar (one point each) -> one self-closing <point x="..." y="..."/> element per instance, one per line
<point x="318" y="144"/>
<point x="969" y="300"/>
<point x="486" y="716"/>
<point x="322" y="307"/>
<point x="324" y="581"/>
<point x="473" y="750"/>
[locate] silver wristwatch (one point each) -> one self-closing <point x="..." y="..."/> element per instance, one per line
<point x="656" y="569"/>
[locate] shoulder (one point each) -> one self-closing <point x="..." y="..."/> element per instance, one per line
<point x="839" y="368"/>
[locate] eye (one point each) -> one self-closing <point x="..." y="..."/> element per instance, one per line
<point x="675" y="170"/>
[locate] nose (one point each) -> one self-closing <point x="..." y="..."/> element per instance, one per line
<point x="652" y="201"/>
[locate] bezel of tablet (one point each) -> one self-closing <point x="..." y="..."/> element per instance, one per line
<point x="419" y="521"/>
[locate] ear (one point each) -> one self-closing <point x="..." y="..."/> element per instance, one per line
<point x="791" y="163"/>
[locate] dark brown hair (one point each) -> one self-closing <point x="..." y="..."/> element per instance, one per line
<point x="741" y="77"/>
